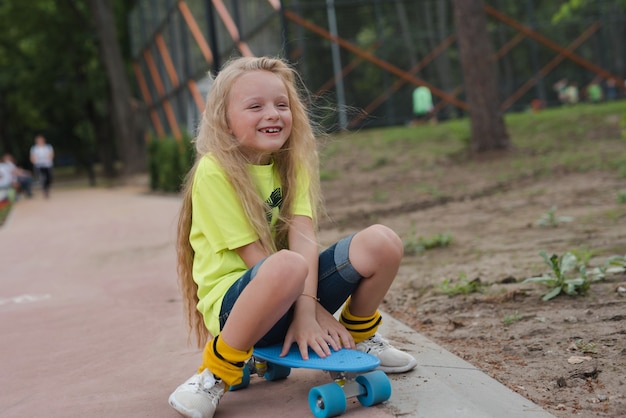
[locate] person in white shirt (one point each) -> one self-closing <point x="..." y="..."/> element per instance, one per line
<point x="42" y="157"/>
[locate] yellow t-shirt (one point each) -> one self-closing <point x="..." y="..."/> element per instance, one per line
<point x="219" y="226"/>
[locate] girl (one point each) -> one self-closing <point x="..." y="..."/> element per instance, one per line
<point x="249" y="265"/>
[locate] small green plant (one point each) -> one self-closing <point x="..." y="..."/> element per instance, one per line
<point x="560" y="279"/>
<point x="380" y="162"/>
<point x="415" y="245"/>
<point x="380" y="196"/>
<point x="621" y="197"/>
<point x="615" y="264"/>
<point x="461" y="287"/>
<point x="585" y="347"/>
<point x="511" y="318"/>
<point x="550" y="219"/>
<point x="622" y="167"/>
<point x="329" y="175"/>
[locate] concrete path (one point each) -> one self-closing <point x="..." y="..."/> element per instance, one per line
<point x="91" y="325"/>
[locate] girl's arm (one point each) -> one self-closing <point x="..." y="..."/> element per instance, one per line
<point x="305" y="329"/>
<point x="251" y="253"/>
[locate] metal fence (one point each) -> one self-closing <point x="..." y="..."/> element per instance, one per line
<point x="365" y="57"/>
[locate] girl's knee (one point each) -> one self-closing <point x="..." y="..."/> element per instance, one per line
<point x="384" y="240"/>
<point x="288" y="264"/>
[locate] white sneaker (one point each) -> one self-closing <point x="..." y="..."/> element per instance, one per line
<point x="391" y="359"/>
<point x="198" y="396"/>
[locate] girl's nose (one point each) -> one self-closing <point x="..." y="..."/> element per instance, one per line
<point x="272" y="113"/>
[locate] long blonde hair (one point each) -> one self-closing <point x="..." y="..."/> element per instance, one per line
<point x="297" y="156"/>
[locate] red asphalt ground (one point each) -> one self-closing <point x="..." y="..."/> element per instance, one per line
<point x="91" y="319"/>
<point x="91" y="325"/>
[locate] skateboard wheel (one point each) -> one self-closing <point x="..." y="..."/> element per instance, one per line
<point x="245" y="380"/>
<point x="327" y="400"/>
<point x="276" y="372"/>
<point x="377" y="388"/>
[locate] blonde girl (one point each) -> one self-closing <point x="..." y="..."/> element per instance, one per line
<point x="249" y="263"/>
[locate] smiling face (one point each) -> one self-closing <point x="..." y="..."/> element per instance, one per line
<point x="259" y="115"/>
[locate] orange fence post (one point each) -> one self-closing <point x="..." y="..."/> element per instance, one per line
<point x="373" y="59"/>
<point x="552" y="45"/>
<point x="195" y="31"/>
<point x="550" y="66"/>
<point x="167" y="60"/>
<point x="231" y="27"/>
<point x="145" y="92"/>
<point x="156" y="78"/>
<point x="345" y="71"/>
<point x="399" y="83"/>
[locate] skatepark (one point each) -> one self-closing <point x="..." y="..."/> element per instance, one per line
<point x="92" y="325"/>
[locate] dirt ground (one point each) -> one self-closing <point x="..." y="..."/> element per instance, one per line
<point x="568" y="354"/>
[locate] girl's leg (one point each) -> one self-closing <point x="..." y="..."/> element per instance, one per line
<point x="250" y="309"/>
<point x="375" y="253"/>
<point x="364" y="266"/>
<point x="276" y="286"/>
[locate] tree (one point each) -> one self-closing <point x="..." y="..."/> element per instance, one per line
<point x="62" y="95"/>
<point x="130" y="145"/>
<point x="480" y="77"/>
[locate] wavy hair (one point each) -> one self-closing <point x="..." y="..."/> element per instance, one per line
<point x="298" y="156"/>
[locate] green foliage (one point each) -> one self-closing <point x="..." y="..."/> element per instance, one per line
<point x="621" y="197"/>
<point x="52" y="79"/>
<point x="568" y="276"/>
<point x="622" y="167"/>
<point x="6" y="204"/>
<point x="461" y="287"/>
<point x="585" y="347"/>
<point x="616" y="264"/>
<point x="550" y="219"/>
<point x="168" y="163"/>
<point x="511" y="318"/>
<point x="568" y="9"/>
<point x="415" y="244"/>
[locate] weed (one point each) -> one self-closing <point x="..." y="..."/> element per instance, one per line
<point x="416" y="245"/>
<point x="329" y="175"/>
<point x="462" y="287"/>
<point x="380" y="162"/>
<point x="585" y="347"/>
<point x="562" y="268"/>
<point x="511" y="318"/>
<point x="550" y="219"/>
<point x="583" y="255"/>
<point x="380" y="196"/>
<point x="621" y="197"/>
<point x="616" y="264"/>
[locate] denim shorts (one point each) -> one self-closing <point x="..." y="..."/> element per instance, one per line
<point x="337" y="279"/>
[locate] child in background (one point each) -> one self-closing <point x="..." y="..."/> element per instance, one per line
<point x="249" y="263"/>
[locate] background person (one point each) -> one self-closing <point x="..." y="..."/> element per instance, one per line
<point x="42" y="158"/>
<point x="22" y="179"/>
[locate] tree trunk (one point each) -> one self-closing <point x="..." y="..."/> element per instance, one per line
<point x="130" y="147"/>
<point x="480" y="77"/>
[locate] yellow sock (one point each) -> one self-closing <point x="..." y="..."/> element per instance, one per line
<point x="224" y="361"/>
<point x="360" y="328"/>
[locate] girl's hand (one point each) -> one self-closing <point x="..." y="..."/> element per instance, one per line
<point x="307" y="332"/>
<point x="338" y="333"/>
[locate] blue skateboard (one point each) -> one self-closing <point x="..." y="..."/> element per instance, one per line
<point x="352" y="372"/>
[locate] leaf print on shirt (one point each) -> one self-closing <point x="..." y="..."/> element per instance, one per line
<point x="274" y="201"/>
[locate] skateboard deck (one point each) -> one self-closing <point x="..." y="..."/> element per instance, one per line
<point x="344" y="360"/>
<point x="352" y="372"/>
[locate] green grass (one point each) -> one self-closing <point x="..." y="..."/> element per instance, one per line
<point x="6" y="204"/>
<point x="574" y="139"/>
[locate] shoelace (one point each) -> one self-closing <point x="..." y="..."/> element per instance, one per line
<point x="376" y="343"/>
